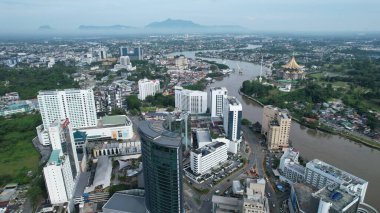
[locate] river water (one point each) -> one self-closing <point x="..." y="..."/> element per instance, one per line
<point x="350" y="156"/>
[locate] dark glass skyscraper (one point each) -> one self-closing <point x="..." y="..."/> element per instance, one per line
<point x="162" y="166"/>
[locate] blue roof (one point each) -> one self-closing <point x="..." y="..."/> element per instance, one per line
<point x="54" y="157"/>
<point x="79" y="136"/>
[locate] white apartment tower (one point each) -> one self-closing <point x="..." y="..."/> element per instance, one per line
<point x="59" y="180"/>
<point x="75" y="104"/>
<point x="147" y="88"/>
<point x="276" y="127"/>
<point x="232" y="118"/>
<point x="216" y="97"/>
<point x="191" y="101"/>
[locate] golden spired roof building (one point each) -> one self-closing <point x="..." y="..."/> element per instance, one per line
<point x="292" y="71"/>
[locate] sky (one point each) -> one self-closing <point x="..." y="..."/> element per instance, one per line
<point x="20" y="16"/>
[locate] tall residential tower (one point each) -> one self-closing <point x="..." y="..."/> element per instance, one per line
<point x="75" y="104"/>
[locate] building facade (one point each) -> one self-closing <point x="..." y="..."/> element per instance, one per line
<point x="76" y="105"/>
<point x="191" y="101"/>
<point x="59" y="180"/>
<point x="276" y="127"/>
<point x="255" y="200"/>
<point x="320" y="174"/>
<point x="133" y="53"/>
<point x="232" y="118"/>
<point x="216" y="98"/>
<point x="162" y="160"/>
<point x="291" y="71"/>
<point x="62" y="138"/>
<point x="290" y="169"/>
<point x="207" y="157"/>
<point x="147" y="88"/>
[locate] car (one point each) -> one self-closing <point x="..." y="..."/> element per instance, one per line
<point x="217" y="191"/>
<point x="274" y="205"/>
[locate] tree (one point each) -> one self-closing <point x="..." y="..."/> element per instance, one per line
<point x="133" y="103"/>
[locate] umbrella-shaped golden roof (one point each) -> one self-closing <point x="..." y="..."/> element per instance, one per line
<point x="292" y="64"/>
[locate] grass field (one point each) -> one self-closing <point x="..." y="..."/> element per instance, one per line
<point x="17" y="153"/>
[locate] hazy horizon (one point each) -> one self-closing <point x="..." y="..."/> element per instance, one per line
<point x="22" y="16"/>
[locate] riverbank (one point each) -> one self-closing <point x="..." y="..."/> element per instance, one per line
<point x="347" y="135"/>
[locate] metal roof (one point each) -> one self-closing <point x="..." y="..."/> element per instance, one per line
<point x="125" y="203"/>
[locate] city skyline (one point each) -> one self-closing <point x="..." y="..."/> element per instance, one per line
<point x="22" y="16"/>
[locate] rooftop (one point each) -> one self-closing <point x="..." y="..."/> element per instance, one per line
<point x="335" y="172"/>
<point x="292" y="64"/>
<point x="233" y="101"/>
<point x="156" y="132"/>
<point x="120" y="202"/>
<point x="304" y="197"/>
<point x="338" y="198"/>
<point x="55" y="157"/>
<point x="209" y="148"/>
<point x="115" y="120"/>
<point x="203" y="135"/>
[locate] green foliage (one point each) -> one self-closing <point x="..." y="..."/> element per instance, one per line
<point x="28" y="81"/>
<point x="17" y="153"/>
<point x="133" y="103"/>
<point x="37" y="190"/>
<point x="118" y="111"/>
<point x="245" y="122"/>
<point x="256" y="89"/>
<point x="200" y="85"/>
<point x="160" y="100"/>
<point x="115" y="188"/>
<point x="214" y="74"/>
<point x="216" y="65"/>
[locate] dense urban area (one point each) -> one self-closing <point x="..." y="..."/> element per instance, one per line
<point x="190" y="123"/>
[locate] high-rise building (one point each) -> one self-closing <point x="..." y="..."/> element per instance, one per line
<point x="76" y="105"/>
<point x="216" y="97"/>
<point x="133" y="53"/>
<point x="191" y="101"/>
<point x="276" y="127"/>
<point x="148" y="87"/>
<point x="59" y="179"/>
<point x="62" y="138"/>
<point x="102" y="53"/>
<point x="320" y="174"/>
<point x="162" y="167"/>
<point x="232" y="118"/>
<point x="206" y="157"/>
<point x="62" y="170"/>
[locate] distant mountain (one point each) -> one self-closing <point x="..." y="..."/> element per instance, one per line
<point x="45" y="27"/>
<point x="189" y="26"/>
<point x="172" y="23"/>
<point x="112" y="27"/>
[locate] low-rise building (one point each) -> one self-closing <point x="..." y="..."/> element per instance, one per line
<point x="116" y="127"/>
<point x="320" y="174"/>
<point x="255" y="200"/>
<point x="290" y="169"/>
<point x="203" y="159"/>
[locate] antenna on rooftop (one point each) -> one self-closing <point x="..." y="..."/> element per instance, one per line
<point x="261" y="69"/>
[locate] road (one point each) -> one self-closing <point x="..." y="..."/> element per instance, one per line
<point x="256" y="158"/>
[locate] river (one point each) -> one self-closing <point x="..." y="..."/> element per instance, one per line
<point x="350" y="156"/>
